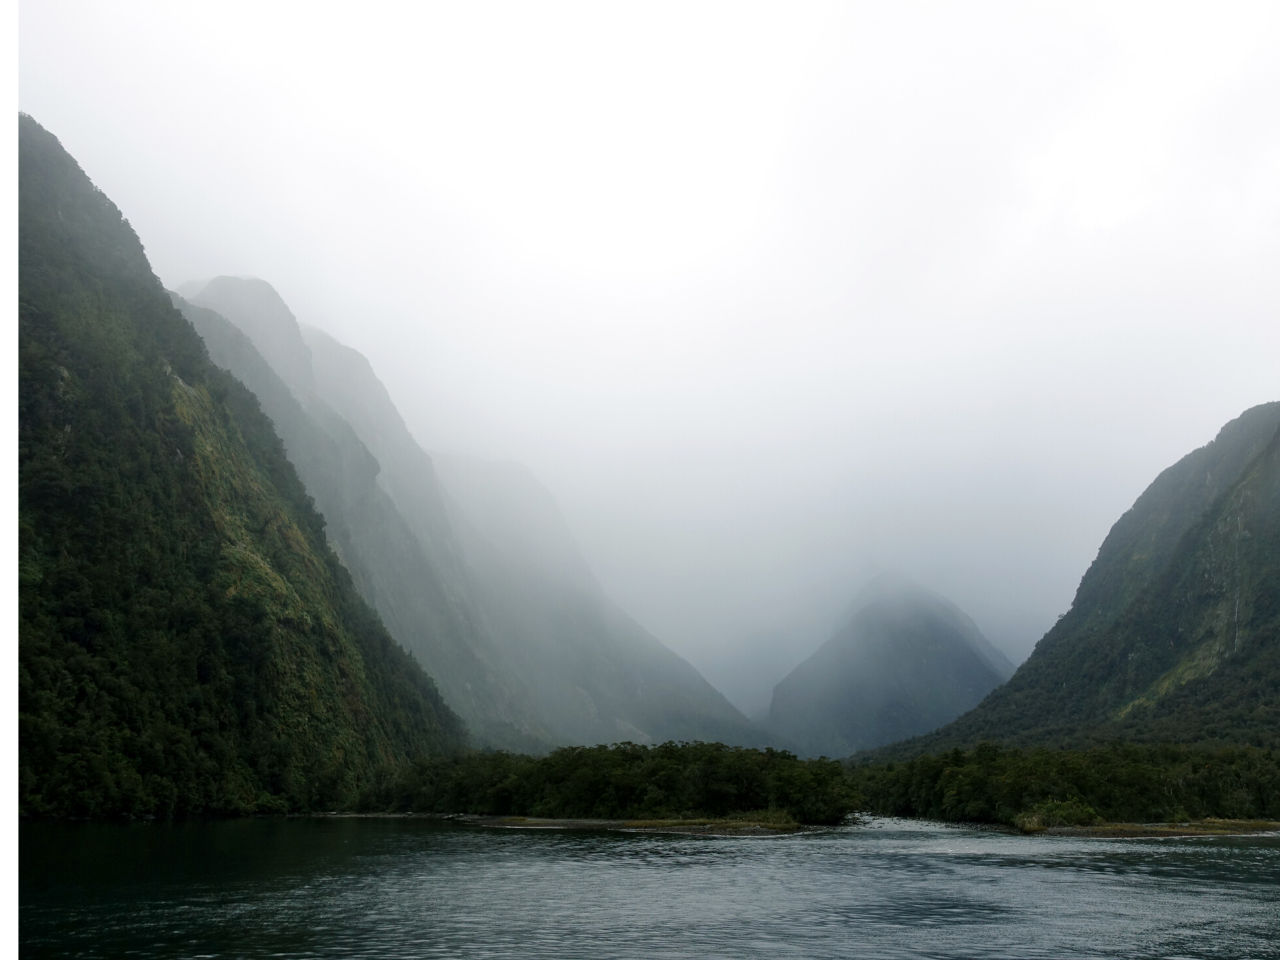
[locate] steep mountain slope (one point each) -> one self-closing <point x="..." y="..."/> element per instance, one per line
<point x="275" y="330"/>
<point x="384" y="555"/>
<point x="904" y="662"/>
<point x="597" y="676"/>
<point x="1174" y="633"/>
<point x="188" y="643"/>
<point x="592" y="673"/>
<point x="504" y="505"/>
<point x="347" y="383"/>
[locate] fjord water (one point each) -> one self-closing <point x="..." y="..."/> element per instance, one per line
<point x="416" y="888"/>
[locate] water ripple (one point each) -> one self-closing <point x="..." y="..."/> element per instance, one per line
<point x="396" y="888"/>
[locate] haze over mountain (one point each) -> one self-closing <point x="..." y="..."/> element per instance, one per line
<point x="763" y="294"/>
<point x="422" y="603"/>
<point x="763" y="297"/>
<point x="582" y="654"/>
<point x="1174" y="634"/>
<point x="904" y="661"/>
<point x="488" y="588"/>
<point x="188" y="643"/>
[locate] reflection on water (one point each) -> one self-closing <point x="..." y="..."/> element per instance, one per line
<point x="412" y="888"/>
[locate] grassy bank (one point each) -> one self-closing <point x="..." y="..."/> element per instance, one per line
<point x="673" y="781"/>
<point x="1039" y="789"/>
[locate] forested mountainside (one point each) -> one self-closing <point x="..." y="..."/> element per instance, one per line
<point x="387" y="560"/>
<point x="188" y="643"/>
<point x="904" y="661"/>
<point x="1174" y="634"/>
<point x="552" y="651"/>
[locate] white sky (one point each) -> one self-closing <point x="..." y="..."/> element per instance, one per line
<point x="765" y="294"/>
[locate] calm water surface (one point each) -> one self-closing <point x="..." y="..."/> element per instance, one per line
<point x="411" y="888"/>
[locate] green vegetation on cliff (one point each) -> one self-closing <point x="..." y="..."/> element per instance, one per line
<point x="1174" y="634"/>
<point x="623" y="781"/>
<point x="387" y="560"/>
<point x="188" y="643"/>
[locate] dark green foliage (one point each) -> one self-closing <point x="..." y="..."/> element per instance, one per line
<point x="1121" y="782"/>
<point x="1174" y="634"/>
<point x="623" y="781"/>
<point x="187" y="641"/>
<point x="391" y="569"/>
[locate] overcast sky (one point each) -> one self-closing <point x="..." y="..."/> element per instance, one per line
<point x="766" y="295"/>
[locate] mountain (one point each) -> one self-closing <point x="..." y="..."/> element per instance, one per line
<point x="593" y="675"/>
<point x="553" y="657"/>
<point x="346" y="381"/>
<point x="384" y="554"/>
<point x="1174" y="633"/>
<point x="903" y="662"/>
<point x="188" y="642"/>
<point x="597" y="676"/>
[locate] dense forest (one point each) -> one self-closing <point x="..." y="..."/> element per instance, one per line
<point x="1040" y="788"/>
<point x="622" y="781"/>
<point x="1029" y="789"/>
<point x="188" y="642"/>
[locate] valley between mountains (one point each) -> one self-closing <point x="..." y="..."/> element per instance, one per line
<point x="245" y="587"/>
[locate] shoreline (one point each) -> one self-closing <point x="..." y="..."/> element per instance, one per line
<point x="697" y="827"/>
<point x="749" y="828"/>
<point x="1175" y="829"/>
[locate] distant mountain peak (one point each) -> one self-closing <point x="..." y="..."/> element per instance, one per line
<point x="905" y="660"/>
<point x="893" y="588"/>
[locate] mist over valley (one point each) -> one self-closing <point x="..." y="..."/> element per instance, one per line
<point x="567" y="480"/>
